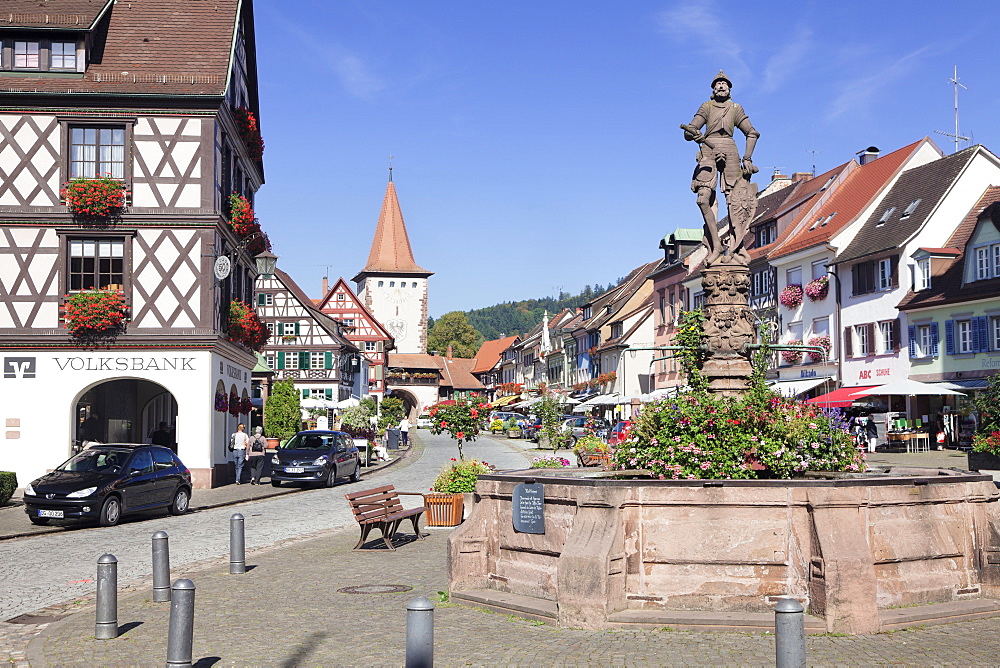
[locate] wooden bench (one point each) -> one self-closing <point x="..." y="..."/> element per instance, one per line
<point x="380" y="508"/>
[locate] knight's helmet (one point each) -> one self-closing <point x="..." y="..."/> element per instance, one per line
<point x="721" y="76"/>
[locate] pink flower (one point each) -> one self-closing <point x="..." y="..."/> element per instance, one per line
<point x="705" y="466"/>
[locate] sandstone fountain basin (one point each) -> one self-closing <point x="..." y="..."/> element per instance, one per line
<point x="864" y="553"/>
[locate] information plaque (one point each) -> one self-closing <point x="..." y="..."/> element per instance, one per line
<point x="528" y="505"/>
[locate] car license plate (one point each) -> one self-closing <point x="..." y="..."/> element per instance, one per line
<point x="294" y="469"/>
<point x="50" y="513"/>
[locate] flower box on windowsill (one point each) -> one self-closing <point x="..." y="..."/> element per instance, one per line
<point x="96" y="198"/>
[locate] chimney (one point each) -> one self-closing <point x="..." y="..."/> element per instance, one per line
<point x="448" y="354"/>
<point x="867" y="155"/>
<point x="326" y="287"/>
<point x="801" y="176"/>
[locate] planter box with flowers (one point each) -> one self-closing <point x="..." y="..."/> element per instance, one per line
<point x="824" y="343"/>
<point x="95" y="314"/>
<point x="791" y="296"/>
<point x="244" y="224"/>
<point x="445" y="503"/>
<point x="245" y="327"/>
<point x="792" y="356"/>
<point x="816" y="290"/>
<point x="246" y="123"/>
<point x="102" y="197"/>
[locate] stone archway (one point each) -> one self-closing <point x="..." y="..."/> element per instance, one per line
<point x="410" y="402"/>
<point x="124" y="410"/>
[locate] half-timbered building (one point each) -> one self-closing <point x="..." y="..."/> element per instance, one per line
<point x="306" y="345"/>
<point x="362" y="329"/>
<point x="150" y="95"/>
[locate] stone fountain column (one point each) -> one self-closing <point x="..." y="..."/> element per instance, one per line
<point x="728" y="329"/>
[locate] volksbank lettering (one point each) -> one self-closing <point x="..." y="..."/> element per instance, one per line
<point x="125" y="363"/>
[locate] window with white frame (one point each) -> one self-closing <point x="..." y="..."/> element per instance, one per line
<point x="821" y="326"/>
<point x="291" y="360"/>
<point x="267" y="299"/>
<point x="317" y="360"/>
<point x="995" y="332"/>
<point x="887" y="336"/>
<point x="884" y="274"/>
<point x="924" y="345"/>
<point x="371" y="346"/>
<point x="922" y="274"/>
<point x="861" y="335"/>
<point x="982" y="263"/>
<point x="341" y="296"/>
<point x="269" y="359"/>
<point x="698" y="301"/>
<point x="616" y="330"/>
<point x="793" y="276"/>
<point x="270" y="329"/>
<point x="819" y="269"/>
<point x="964" y="342"/>
<point x="663" y="306"/>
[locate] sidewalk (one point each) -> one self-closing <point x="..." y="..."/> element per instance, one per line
<point x="291" y="608"/>
<point x="14" y="523"/>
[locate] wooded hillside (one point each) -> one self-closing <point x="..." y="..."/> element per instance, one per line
<point x="510" y="318"/>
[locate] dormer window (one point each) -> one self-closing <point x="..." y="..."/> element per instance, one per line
<point x="63" y="56"/>
<point x="27" y="55"/>
<point x="922" y="278"/>
<point x="586" y="313"/>
<point x="23" y="52"/>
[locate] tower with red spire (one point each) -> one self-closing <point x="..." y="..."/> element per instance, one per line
<point x="392" y="285"/>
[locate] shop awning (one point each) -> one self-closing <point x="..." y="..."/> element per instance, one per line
<point x="505" y="401"/>
<point x="908" y="387"/>
<point x="843" y="397"/>
<point x="793" y="388"/>
<point x="968" y="384"/>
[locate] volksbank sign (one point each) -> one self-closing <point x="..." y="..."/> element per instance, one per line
<point x="27" y="367"/>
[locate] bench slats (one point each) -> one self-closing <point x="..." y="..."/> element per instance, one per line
<point x="380" y="508"/>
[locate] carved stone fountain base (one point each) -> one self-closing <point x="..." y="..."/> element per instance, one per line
<point x="729" y="328"/>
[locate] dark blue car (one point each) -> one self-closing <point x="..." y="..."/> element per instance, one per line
<point x="316" y="456"/>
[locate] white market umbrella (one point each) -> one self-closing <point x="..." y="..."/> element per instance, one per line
<point x="910" y="387"/>
<point x="348" y="403"/>
<point x="312" y="403"/>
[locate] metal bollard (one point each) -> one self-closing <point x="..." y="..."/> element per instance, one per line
<point x="237" y="546"/>
<point x="419" y="633"/>
<point x="789" y="634"/>
<point x="180" y="633"/>
<point x="107" y="598"/>
<point x="161" y="567"/>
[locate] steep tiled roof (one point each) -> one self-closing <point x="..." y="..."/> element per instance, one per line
<point x="58" y="14"/>
<point x="323" y="320"/>
<point x="414" y="361"/>
<point x="616" y="297"/>
<point x="152" y="47"/>
<point x="844" y="205"/>
<point x="927" y="183"/>
<point x="947" y="287"/>
<point x="490" y="352"/>
<point x="457" y="373"/>
<point x="391" y="252"/>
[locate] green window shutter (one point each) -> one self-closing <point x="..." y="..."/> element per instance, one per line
<point x="305" y="394"/>
<point x="328" y="360"/>
<point x="281" y="328"/>
<point x="329" y="394"/>
<point x="281" y="357"/>
<point x="260" y="299"/>
<point x="303" y="359"/>
<point x="296" y="329"/>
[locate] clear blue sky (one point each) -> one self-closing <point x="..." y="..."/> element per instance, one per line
<point x="536" y="143"/>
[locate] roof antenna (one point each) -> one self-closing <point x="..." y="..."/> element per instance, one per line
<point x="814" y="152"/>
<point x="957" y="136"/>
<point x="390" y="168"/>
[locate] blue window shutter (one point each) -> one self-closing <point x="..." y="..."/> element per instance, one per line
<point x="303" y="360"/>
<point x="984" y="334"/>
<point x="949" y="336"/>
<point x="328" y="360"/>
<point x="934" y="340"/>
<point x="281" y="358"/>
<point x="911" y="332"/>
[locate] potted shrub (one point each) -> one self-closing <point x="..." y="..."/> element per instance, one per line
<point x="513" y="428"/>
<point x="592" y="451"/>
<point x="461" y="418"/>
<point x="985" y="454"/>
<point x="497" y="426"/>
<point x="446" y="501"/>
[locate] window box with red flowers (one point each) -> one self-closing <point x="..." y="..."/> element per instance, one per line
<point x="792" y="356"/>
<point x="95" y="313"/>
<point x="824" y="343"/>
<point x="816" y="290"/>
<point x="245" y="327"/>
<point x="101" y="197"/>
<point x="246" y="123"/>
<point x="791" y="296"/>
<point x="245" y="225"/>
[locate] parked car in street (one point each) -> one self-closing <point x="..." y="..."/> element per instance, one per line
<point x="107" y="481"/>
<point x="503" y="415"/>
<point x="619" y="432"/>
<point x="424" y="422"/>
<point x="581" y="425"/>
<point x="316" y="456"/>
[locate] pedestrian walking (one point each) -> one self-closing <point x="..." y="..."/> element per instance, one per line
<point x="238" y="446"/>
<point x="871" y="431"/>
<point x="404" y="431"/>
<point x="258" y="444"/>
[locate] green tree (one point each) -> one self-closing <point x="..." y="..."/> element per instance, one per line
<point x="453" y="329"/>
<point x="282" y="413"/>
<point x="392" y="412"/>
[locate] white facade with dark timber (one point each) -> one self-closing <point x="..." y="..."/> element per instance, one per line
<point x="362" y="329"/>
<point x="307" y="346"/>
<point x="114" y="91"/>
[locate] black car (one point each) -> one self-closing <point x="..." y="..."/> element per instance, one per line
<point x="106" y="481"/>
<point x="316" y="456"/>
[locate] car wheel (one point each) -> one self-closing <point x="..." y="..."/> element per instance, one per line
<point x="181" y="502"/>
<point x="111" y="512"/>
<point x="331" y="479"/>
<point x="356" y="476"/>
<point x="40" y="521"/>
<point x="275" y="483"/>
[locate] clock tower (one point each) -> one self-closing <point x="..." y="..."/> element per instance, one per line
<point x="392" y="286"/>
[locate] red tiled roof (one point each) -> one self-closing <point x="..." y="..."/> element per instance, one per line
<point x="941" y="251"/>
<point x="60" y="14"/>
<point x="845" y="203"/>
<point x="490" y="352"/>
<point x="391" y="252"/>
<point x="152" y="47"/>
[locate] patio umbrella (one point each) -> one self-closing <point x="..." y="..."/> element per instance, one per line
<point x="348" y="403"/>
<point x="312" y="403"/>
<point x="910" y="388"/>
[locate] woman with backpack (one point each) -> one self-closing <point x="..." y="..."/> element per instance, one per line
<point x="258" y="445"/>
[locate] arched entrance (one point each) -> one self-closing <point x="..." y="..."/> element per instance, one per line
<point x="125" y="410"/>
<point x="410" y="403"/>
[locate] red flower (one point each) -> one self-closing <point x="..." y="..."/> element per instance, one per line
<point x="460" y="435"/>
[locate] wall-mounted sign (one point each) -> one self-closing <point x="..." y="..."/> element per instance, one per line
<point x="528" y="506"/>
<point x="18" y="367"/>
<point x="870" y="374"/>
<point x="222" y="267"/>
<point x="125" y="363"/>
